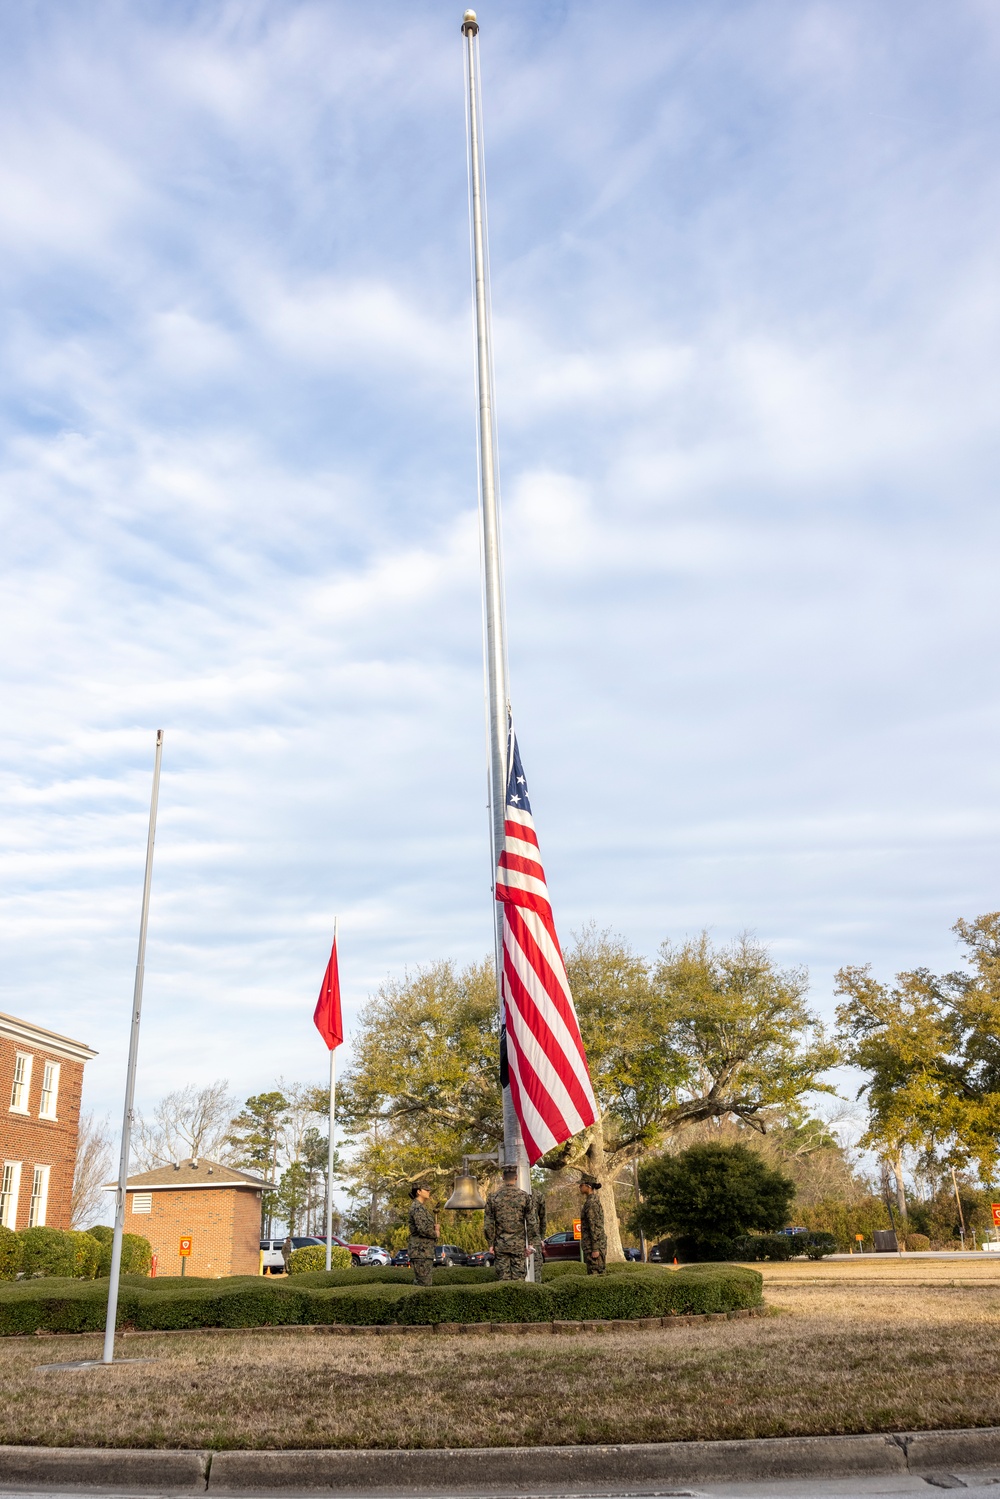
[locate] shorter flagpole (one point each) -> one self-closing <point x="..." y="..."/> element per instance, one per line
<point x="330" y="1142"/>
<point x="133" y="1057"/>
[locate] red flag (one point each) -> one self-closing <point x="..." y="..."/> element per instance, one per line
<point x="327" y="1016"/>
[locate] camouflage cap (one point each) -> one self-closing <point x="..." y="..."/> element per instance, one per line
<point x="589" y="1181"/>
<point x="509" y="1173"/>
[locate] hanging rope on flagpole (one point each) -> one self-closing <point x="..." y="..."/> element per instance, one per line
<point x="133" y="1058"/>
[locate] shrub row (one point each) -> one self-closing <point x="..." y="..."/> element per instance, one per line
<point x="60" y="1252"/>
<point x="312" y="1257"/>
<point x="784" y="1246"/>
<point x="69" y="1306"/>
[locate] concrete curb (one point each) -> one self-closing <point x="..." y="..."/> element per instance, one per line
<point x="505" y="1470"/>
<point x="497" y="1470"/>
<point x="112" y="1468"/>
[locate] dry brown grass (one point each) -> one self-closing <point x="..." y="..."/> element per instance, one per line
<point x="901" y="1348"/>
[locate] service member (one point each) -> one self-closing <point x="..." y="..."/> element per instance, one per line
<point x="509" y="1225"/>
<point x="424" y="1231"/>
<point x="593" y="1239"/>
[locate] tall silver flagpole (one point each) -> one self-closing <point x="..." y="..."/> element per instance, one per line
<point x="329" y="1148"/>
<point x="133" y="1056"/>
<point x="496" y="650"/>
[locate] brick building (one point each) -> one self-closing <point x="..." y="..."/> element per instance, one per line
<point x="217" y="1207"/>
<point x="41" y="1079"/>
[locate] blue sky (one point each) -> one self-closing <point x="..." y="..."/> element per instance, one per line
<point x="746" y="303"/>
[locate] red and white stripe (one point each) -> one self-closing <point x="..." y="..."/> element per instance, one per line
<point x="547" y="1066"/>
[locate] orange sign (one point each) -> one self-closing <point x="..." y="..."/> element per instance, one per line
<point x="185" y="1247"/>
<point x="860" y="1238"/>
<point x="995" y="1210"/>
<point x="577" y="1228"/>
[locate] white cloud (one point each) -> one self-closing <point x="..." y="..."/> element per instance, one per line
<point x="746" y="321"/>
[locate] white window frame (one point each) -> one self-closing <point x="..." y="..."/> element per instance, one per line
<point x="20" y="1092"/>
<point x="142" y="1202"/>
<point x="39" y="1200"/>
<point x="50" y="1090"/>
<point x="10" y="1188"/>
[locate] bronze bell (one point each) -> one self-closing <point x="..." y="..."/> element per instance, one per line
<point x="466" y="1196"/>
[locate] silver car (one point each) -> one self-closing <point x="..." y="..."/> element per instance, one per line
<point x="376" y="1255"/>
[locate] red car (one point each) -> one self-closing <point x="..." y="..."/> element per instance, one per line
<point x="561" y="1246"/>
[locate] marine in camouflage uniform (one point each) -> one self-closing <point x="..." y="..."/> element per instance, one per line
<point x="541" y="1220"/>
<point x="593" y="1239"/>
<point x="423" y="1237"/>
<point x="510" y="1226"/>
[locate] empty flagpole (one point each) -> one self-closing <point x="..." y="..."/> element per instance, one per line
<point x="133" y="1056"/>
<point x="329" y="1148"/>
<point x="493" y="602"/>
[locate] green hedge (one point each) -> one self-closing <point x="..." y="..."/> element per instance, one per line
<point x="59" y="1252"/>
<point x="312" y="1257"/>
<point x="653" y="1293"/>
<point x="556" y="1268"/>
<point x="503" y="1301"/>
<point x="137" y="1252"/>
<point x="359" y="1306"/>
<point x="68" y="1305"/>
<point x="11" y="1253"/>
<point x="390" y="1275"/>
<point x="813" y="1245"/>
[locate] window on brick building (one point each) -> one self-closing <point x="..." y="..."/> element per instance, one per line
<point x="39" y="1197"/>
<point x="10" y="1183"/>
<point x="50" y="1091"/>
<point x="142" y="1202"/>
<point x="22" y="1083"/>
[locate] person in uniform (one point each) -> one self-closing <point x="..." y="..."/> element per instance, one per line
<point x="541" y="1220"/>
<point x="509" y="1225"/>
<point x="593" y="1239"/>
<point x="423" y="1236"/>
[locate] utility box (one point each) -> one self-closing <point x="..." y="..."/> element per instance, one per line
<point x="885" y="1241"/>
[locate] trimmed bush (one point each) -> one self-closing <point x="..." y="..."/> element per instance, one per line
<point x="312" y="1257"/>
<point x="11" y="1253"/>
<point x="820" y="1244"/>
<point x="392" y="1275"/>
<point x="60" y="1252"/>
<point x="358" y="1306"/>
<point x="765" y="1247"/>
<point x="555" y="1268"/>
<point x="503" y="1301"/>
<point x="71" y="1305"/>
<point x="706" y="1288"/>
<point x="137" y="1252"/>
<point x="917" y="1243"/>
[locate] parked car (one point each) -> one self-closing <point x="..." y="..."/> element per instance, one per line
<point x="401" y="1258"/>
<point x="632" y="1254"/>
<point x="446" y="1255"/>
<point x="561" y="1246"/>
<point x="483" y="1257"/>
<point x="274" y="1261"/>
<point x="376" y="1255"/>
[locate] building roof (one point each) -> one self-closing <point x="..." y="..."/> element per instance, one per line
<point x="194" y="1172"/>
<point x="28" y="1034"/>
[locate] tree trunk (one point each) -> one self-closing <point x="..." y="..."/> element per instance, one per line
<point x="597" y="1166"/>
<point x="897" y="1171"/>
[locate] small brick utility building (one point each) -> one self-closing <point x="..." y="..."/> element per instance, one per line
<point x="217" y="1207"/>
<point x="41" y="1079"/>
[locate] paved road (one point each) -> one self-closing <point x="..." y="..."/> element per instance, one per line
<point x="978" y="1485"/>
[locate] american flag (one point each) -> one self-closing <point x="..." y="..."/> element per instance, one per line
<point x="542" y="1056"/>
